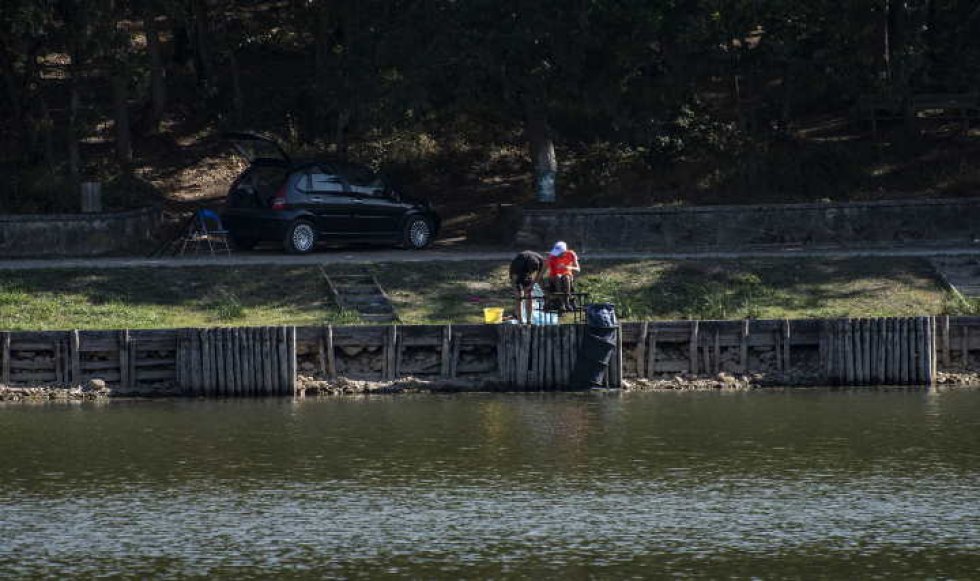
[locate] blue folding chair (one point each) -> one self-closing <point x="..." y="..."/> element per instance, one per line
<point x="206" y="229"/>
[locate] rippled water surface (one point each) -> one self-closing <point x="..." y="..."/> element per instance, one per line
<point x="810" y="483"/>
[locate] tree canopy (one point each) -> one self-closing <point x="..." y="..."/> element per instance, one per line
<point x="660" y="79"/>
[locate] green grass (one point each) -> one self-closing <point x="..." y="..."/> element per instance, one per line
<point x="458" y="292"/>
<point x="161" y="298"/>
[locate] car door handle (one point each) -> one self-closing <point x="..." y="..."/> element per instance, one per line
<point x="317" y="199"/>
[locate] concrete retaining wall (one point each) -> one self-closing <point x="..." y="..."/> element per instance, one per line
<point x="34" y="235"/>
<point x="727" y="227"/>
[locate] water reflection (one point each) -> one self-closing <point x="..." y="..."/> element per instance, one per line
<point x="758" y="484"/>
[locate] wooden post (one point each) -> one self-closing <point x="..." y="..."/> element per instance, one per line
<point x="321" y="350"/>
<point x="652" y="353"/>
<point x="944" y="330"/>
<point x="123" y="346"/>
<point x="393" y="342"/>
<point x="743" y="348"/>
<point x="232" y="361"/>
<point x="221" y="360"/>
<point x="883" y="350"/>
<point x="456" y="346"/>
<point x="76" y="357"/>
<point x="704" y="363"/>
<point x="235" y="352"/>
<point x="694" y="348"/>
<point x="858" y="346"/>
<point x="269" y="360"/>
<point x="824" y="347"/>
<point x="903" y="351"/>
<point x="331" y="355"/>
<point x="59" y="368"/>
<point x="537" y="357"/>
<point x="925" y="360"/>
<point x="399" y="348"/>
<point x="501" y="362"/>
<point x="244" y="365"/>
<point x="920" y="350"/>
<point x="251" y="379"/>
<point x="849" y="351"/>
<point x="193" y="360"/>
<point x="717" y="352"/>
<point x="933" y="352"/>
<point x="5" y="358"/>
<point x="228" y="360"/>
<point x="640" y="353"/>
<point x="291" y="347"/>
<point x="444" y="352"/>
<point x="545" y="356"/>
<point x="282" y="343"/>
<point x="965" y="347"/>
<point x="866" y="350"/>
<point x="894" y="352"/>
<point x="561" y="364"/>
<point x="258" y="360"/>
<point x="873" y="338"/>
<point x="245" y="349"/>
<point x="205" y="355"/>
<point x="876" y="351"/>
<point x="523" y="356"/>
<point x="618" y="376"/>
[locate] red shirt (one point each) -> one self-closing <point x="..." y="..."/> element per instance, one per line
<point x="560" y="265"/>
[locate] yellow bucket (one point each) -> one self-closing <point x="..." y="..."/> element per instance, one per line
<point x="493" y="315"/>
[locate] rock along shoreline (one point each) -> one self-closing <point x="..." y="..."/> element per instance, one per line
<point x="97" y="389"/>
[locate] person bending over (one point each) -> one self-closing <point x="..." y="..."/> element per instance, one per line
<point x="562" y="268"/>
<point x="525" y="270"/>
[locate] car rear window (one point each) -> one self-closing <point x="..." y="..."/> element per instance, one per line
<point x="266" y="179"/>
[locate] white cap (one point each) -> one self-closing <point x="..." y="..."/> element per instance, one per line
<point x="559" y="248"/>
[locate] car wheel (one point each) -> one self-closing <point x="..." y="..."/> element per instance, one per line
<point x="418" y="233"/>
<point x="300" y="238"/>
<point x="244" y="242"/>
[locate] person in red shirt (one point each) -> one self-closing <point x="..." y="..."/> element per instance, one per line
<point x="562" y="268"/>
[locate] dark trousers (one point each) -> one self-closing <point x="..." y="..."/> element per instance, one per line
<point x="560" y="291"/>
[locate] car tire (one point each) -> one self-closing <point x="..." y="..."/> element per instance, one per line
<point x="300" y="237"/>
<point x="243" y="242"/>
<point x="417" y="233"/>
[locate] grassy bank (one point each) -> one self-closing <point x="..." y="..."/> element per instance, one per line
<point x="457" y="292"/>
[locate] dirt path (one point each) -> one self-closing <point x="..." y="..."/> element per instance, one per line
<point x="373" y="256"/>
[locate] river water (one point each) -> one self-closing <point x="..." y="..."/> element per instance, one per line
<point x="815" y="483"/>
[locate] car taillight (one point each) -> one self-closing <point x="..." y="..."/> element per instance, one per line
<point x="279" y="200"/>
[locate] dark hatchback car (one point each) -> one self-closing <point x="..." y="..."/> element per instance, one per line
<point x="300" y="203"/>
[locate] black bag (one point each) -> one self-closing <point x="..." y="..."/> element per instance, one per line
<point x="601" y="315"/>
<point x="592" y="360"/>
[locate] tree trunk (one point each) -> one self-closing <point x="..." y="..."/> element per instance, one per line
<point x="543" y="157"/>
<point x="124" y="144"/>
<point x="202" y="45"/>
<point x="237" y="97"/>
<point x="158" y="86"/>
<point x="47" y="134"/>
<point x="340" y="132"/>
<point x="321" y="47"/>
<point x="74" y="153"/>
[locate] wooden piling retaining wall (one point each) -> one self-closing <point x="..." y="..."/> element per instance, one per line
<point x="247" y="361"/>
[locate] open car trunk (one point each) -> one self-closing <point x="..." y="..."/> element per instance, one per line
<point x="254" y="147"/>
<point x="258" y="185"/>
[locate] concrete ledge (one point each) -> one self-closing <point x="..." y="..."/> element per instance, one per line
<point x="728" y="227"/>
<point x="36" y="235"/>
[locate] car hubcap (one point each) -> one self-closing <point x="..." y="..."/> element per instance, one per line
<point x="303" y="237"/>
<point x="419" y="233"/>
